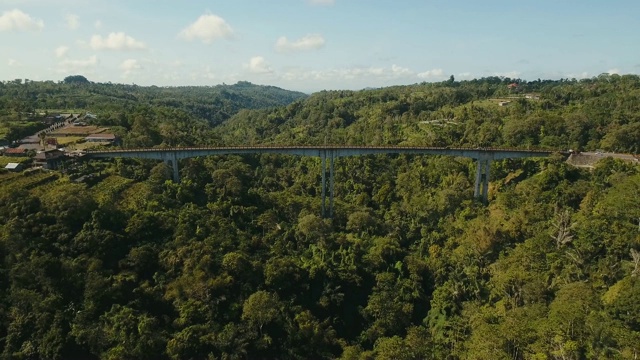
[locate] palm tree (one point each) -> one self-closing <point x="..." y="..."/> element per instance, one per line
<point x="42" y="135"/>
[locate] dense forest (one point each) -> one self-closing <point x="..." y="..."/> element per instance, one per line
<point x="113" y="260"/>
<point x="22" y="103"/>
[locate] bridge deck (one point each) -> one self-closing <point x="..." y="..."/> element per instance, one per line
<point x="484" y="156"/>
<point x="319" y="151"/>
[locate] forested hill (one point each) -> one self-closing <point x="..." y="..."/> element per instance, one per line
<point x="211" y="103"/>
<point x="589" y="114"/>
<point x="110" y="259"/>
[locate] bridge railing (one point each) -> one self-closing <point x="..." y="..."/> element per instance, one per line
<point x="322" y="147"/>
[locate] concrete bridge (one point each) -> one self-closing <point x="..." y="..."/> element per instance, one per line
<point x="328" y="154"/>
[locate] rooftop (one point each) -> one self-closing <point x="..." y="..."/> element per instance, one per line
<point x="15" y="151"/>
<point x="12" y="166"/>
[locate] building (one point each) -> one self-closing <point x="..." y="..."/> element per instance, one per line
<point x="16" y="152"/>
<point x="49" y="159"/>
<point x="104" y="137"/>
<point x="14" y="166"/>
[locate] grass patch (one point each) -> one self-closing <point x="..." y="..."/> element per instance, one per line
<point x="78" y="130"/>
<point x="65" y="140"/>
<point x="88" y="145"/>
<point x="4" y="160"/>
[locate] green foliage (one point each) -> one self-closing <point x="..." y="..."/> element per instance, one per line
<point x="235" y="262"/>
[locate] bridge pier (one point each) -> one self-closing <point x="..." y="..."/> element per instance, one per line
<point x="323" y="156"/>
<point x="323" y="166"/>
<point x="332" y="182"/>
<point x="173" y="163"/>
<point x="481" y="189"/>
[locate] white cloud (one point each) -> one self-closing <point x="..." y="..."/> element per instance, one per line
<point x="465" y="76"/>
<point x="13" y="62"/>
<point x="207" y="28"/>
<point x="98" y="24"/>
<point x="509" y="74"/>
<point x="73" y="66"/>
<point x="355" y="73"/>
<point x="613" y="71"/>
<point x="61" y="51"/>
<point x="399" y="70"/>
<point x="259" y="65"/>
<point x="309" y="42"/>
<point x="73" y="21"/>
<point x="116" y="41"/>
<point x="129" y="66"/>
<point x="431" y="74"/>
<point x="582" y="75"/>
<point x="17" y="20"/>
<point x="321" y="2"/>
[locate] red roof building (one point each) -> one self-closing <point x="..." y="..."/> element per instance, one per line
<point x="15" y="152"/>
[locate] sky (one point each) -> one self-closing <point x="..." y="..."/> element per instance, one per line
<point x="313" y="45"/>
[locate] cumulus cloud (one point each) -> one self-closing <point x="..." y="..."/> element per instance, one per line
<point x="613" y="71"/>
<point x="74" y="66"/>
<point x="207" y="28"/>
<point x="509" y="74"/>
<point x="116" y="41"/>
<point x="400" y="71"/>
<point x="17" y="20"/>
<point x="259" y="65"/>
<point x="309" y="42"/>
<point x="129" y="66"/>
<point x="73" y="21"/>
<point x="582" y="75"/>
<point x="321" y="2"/>
<point x="61" y="51"/>
<point x="355" y="73"/>
<point x="431" y="74"/>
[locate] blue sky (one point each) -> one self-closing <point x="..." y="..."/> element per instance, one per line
<point x="311" y="45"/>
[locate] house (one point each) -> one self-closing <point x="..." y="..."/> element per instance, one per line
<point x="104" y="137"/>
<point x="16" y="152"/>
<point x="14" y="167"/>
<point x="49" y="159"/>
<point x="504" y="103"/>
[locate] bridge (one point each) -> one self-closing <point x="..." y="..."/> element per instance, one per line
<point x="328" y="154"/>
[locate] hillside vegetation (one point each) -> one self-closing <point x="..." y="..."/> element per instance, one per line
<point x="596" y="113"/>
<point x="234" y="262"/>
<point x="119" y="104"/>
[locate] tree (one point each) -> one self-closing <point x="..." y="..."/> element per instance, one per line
<point x="261" y="308"/>
<point x="76" y="79"/>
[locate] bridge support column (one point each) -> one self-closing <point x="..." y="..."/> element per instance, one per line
<point x="481" y="189"/>
<point x="323" y="166"/>
<point x="173" y="163"/>
<point x="323" y="156"/>
<point x="332" y="182"/>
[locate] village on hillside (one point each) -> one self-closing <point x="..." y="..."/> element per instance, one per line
<point x="66" y="136"/>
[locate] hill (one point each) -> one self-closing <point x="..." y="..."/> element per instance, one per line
<point x="25" y="103"/>
<point x="112" y="260"/>
<point x="590" y="114"/>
